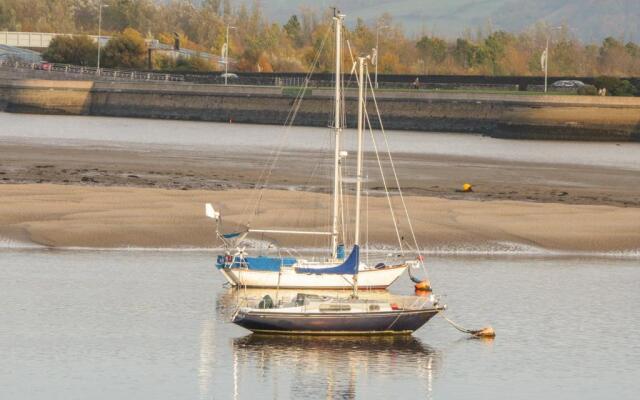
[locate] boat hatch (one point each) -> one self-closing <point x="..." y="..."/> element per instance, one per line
<point x="333" y="307"/>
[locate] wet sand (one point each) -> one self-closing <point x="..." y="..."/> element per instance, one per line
<point x="122" y="183"/>
<point x="108" y="217"/>
<point x="173" y="167"/>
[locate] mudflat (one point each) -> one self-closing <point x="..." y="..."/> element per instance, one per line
<point x="107" y="217"/>
<point x="432" y="175"/>
<point x="106" y="182"/>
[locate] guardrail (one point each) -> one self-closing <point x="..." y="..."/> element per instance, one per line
<point x="61" y="71"/>
<point x="75" y="72"/>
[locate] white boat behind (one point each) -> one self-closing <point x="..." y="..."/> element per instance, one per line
<point x="334" y="271"/>
<point x="287" y="278"/>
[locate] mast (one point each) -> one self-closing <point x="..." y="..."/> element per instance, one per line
<point x="337" y="17"/>
<point x="361" y="62"/>
<point x="361" y="87"/>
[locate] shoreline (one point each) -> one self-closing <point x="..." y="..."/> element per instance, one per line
<point x="118" y="218"/>
<point x="535" y="117"/>
<point x="453" y="252"/>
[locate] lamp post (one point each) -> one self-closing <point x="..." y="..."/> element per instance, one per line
<point x="100" y="32"/>
<point x="226" y="55"/>
<point x="378" y="52"/>
<point x="545" y="58"/>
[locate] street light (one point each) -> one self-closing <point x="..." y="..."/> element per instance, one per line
<point x="377" y="52"/>
<point x="100" y="32"/>
<point x="545" y="58"/>
<point x="226" y="55"/>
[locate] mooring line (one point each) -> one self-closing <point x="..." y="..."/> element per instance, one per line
<point x="486" y="332"/>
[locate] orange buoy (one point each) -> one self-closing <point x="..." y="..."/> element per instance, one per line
<point x="424" y="285"/>
<point x="487" y="332"/>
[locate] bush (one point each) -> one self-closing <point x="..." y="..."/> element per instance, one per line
<point x="76" y="50"/>
<point x="625" y="88"/>
<point x="607" y="82"/>
<point x="183" y="64"/>
<point x="616" y="86"/>
<point x="125" y="50"/>
<point x="588" y="90"/>
<point x="192" y="64"/>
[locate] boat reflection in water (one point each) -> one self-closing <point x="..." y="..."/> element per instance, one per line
<point x="342" y="366"/>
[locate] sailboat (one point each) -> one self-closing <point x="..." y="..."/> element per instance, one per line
<point x="336" y="271"/>
<point x="310" y="314"/>
<point x="323" y="315"/>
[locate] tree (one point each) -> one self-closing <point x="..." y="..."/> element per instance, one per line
<point x="432" y="50"/>
<point x="76" y="50"/>
<point x="213" y="5"/>
<point x="122" y="14"/>
<point x="85" y="15"/>
<point x="633" y="49"/>
<point x="7" y="16"/>
<point x="468" y="54"/>
<point x="294" y="30"/>
<point x="362" y="38"/>
<point x="258" y="44"/>
<point x="495" y="46"/>
<point x="613" y="57"/>
<point x="125" y="50"/>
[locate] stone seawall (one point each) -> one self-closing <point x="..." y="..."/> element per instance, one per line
<point x="497" y="115"/>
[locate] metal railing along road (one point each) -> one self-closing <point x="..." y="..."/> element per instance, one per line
<point x="65" y="71"/>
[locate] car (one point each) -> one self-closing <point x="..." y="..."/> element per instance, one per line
<point x="228" y="75"/>
<point x="568" y="84"/>
<point x="44" y="66"/>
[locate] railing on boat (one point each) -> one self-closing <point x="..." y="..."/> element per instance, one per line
<point x="337" y="301"/>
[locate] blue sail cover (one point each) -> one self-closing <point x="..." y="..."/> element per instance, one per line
<point x="268" y="263"/>
<point x="257" y="263"/>
<point x="231" y="235"/>
<point x="349" y="267"/>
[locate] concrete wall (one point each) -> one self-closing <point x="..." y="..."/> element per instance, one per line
<point x="45" y="97"/>
<point x="512" y="116"/>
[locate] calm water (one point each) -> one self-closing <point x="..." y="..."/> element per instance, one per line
<point x="154" y="325"/>
<point x="113" y="132"/>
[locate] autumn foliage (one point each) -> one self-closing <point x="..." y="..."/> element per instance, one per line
<point x="257" y="44"/>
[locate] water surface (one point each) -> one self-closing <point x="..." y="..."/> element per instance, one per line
<point x="71" y="130"/>
<point x="155" y="325"/>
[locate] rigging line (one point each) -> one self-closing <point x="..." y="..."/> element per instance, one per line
<point x="347" y="208"/>
<point x="317" y="171"/>
<point x="301" y="93"/>
<point x="366" y="220"/>
<point x="302" y="194"/>
<point x="294" y="110"/>
<point x="307" y="184"/>
<point x="395" y="175"/>
<point x="384" y="180"/>
<point x="290" y="119"/>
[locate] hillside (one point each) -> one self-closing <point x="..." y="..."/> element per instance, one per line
<point x="590" y="20"/>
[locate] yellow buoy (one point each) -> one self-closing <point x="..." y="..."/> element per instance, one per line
<point x="467" y="187"/>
